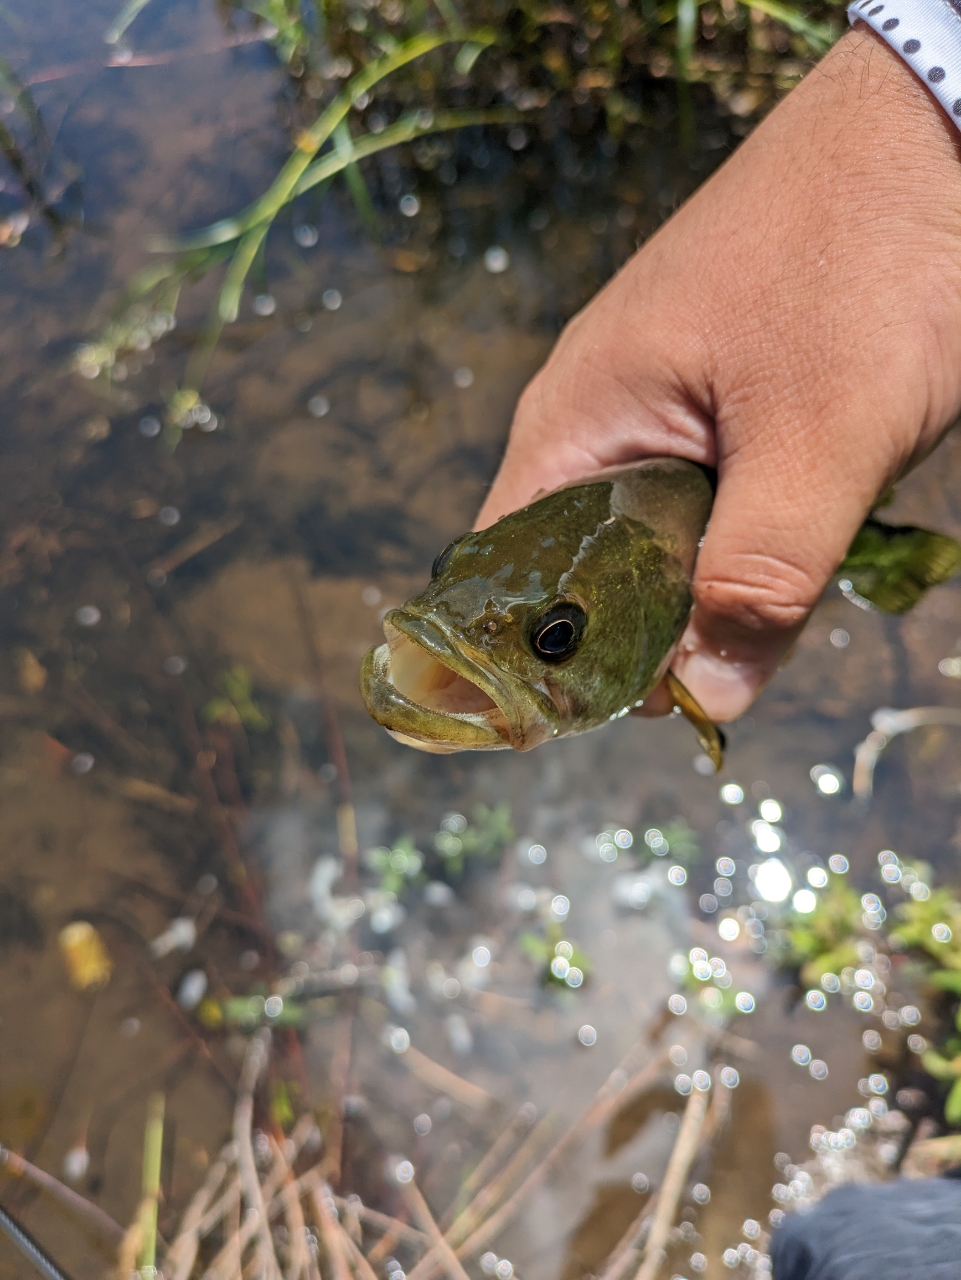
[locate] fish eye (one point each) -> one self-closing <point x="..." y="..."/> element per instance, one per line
<point x="444" y="559"/>
<point x="557" y="633"/>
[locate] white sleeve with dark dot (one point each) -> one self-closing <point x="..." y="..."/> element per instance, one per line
<point x="927" y="35"/>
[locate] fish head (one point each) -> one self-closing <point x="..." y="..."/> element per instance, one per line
<point x="557" y="618"/>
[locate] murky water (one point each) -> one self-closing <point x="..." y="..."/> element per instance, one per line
<point x="358" y="425"/>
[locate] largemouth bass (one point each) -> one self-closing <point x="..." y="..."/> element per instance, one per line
<point x="566" y="614"/>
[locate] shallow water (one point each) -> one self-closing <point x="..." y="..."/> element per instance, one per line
<point x="121" y="805"/>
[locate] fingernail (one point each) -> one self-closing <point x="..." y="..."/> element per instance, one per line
<point x="725" y="689"/>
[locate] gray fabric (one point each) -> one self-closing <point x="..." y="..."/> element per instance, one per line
<point x="909" y="1229"/>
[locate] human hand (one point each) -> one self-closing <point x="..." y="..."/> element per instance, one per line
<point x="797" y="325"/>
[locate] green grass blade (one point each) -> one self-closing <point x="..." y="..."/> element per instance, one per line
<point x="819" y="35"/>
<point x="11" y="85"/>
<point x="123" y="20"/>
<point x="414" y="125"/>
<point x="467" y="56"/>
<point x="686" y="28"/>
<point x="197" y="367"/>
<point x="152" y="1154"/>
<point x="228" y="304"/>
<point x="356" y="185"/>
<point x="452" y="19"/>
<point x="285" y="185"/>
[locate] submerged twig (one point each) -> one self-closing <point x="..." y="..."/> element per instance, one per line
<point x="685" y="1147"/>
<point x="206" y="536"/>
<point x="88" y="707"/>
<point x="385" y="1223"/>
<point x="18" y="1167"/>
<point x="493" y="1192"/>
<point x="326" y="1216"/>
<point x="254" y="1064"/>
<point x="489" y="1164"/>
<point x="362" y="1268"/>
<point x="607" y="1101"/>
<point x="425" y="1219"/>
<point x="626" y="1253"/>
<point x="886" y="724"/>
<point x="182" y="1253"/>
<point x="442" y="1078"/>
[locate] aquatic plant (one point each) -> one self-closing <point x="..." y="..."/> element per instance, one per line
<point x="825" y="939"/>
<point x="675" y="838"/>
<point x="561" y="963"/>
<point x="150" y="306"/>
<point x="931" y="926"/>
<point x="398" y="867"/>
<point x="589" y="56"/>
<point x="25" y="146"/>
<point x="484" y="838"/>
<point x="235" y="704"/>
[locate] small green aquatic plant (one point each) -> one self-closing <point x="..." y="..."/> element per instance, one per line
<point x="485" y="837"/>
<point x="561" y="963"/>
<point x="235" y="705"/>
<point x="931" y="926"/>
<point x="399" y="867"/>
<point x="25" y="146"/>
<point x="824" y="940"/>
<point x="676" y="838"/>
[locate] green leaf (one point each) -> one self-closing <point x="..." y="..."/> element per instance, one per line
<point x="946" y="980"/>
<point x="451" y="17"/>
<point x="356" y="185"/>
<point x="952" y="1105"/>
<point x="935" y="1065"/>
<point x="819" y="35"/>
<point x="123" y="20"/>
<point x="892" y="566"/>
<point x="412" y="125"/>
<point x="686" y="29"/>
<point x="228" y="304"/>
<point x="467" y="55"/>
<point x="287" y="183"/>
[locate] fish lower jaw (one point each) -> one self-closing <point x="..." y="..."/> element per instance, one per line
<point x="425" y="704"/>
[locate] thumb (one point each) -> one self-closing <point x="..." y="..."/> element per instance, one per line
<point x="788" y="505"/>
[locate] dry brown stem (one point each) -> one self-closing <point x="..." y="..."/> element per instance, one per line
<point x="205" y="537"/>
<point x="385" y="1223"/>
<point x="609" y="1099"/>
<point x="331" y="1232"/>
<point x="627" y="1252"/>
<point x="362" y="1268"/>
<point x="423" y="1216"/>
<point x="129" y="1248"/>
<point x="685" y="1148"/>
<point x="440" y="1078"/>
<point x="111" y="1231"/>
<point x="488" y="1165"/>
<point x="182" y="1253"/>
<point x="254" y="1064"/>
<point x="494" y="1192"/>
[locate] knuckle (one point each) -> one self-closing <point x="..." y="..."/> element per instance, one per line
<point x="769" y="593"/>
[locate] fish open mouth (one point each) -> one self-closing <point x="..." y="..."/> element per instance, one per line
<point x="424" y="679"/>
<point x="427" y="694"/>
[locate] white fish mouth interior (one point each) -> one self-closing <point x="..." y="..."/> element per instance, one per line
<point x="424" y="680"/>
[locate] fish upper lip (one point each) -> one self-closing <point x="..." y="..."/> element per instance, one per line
<point x="420" y="630"/>
<point x="531" y="718"/>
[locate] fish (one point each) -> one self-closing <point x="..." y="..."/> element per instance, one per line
<point x="566" y="614"/>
